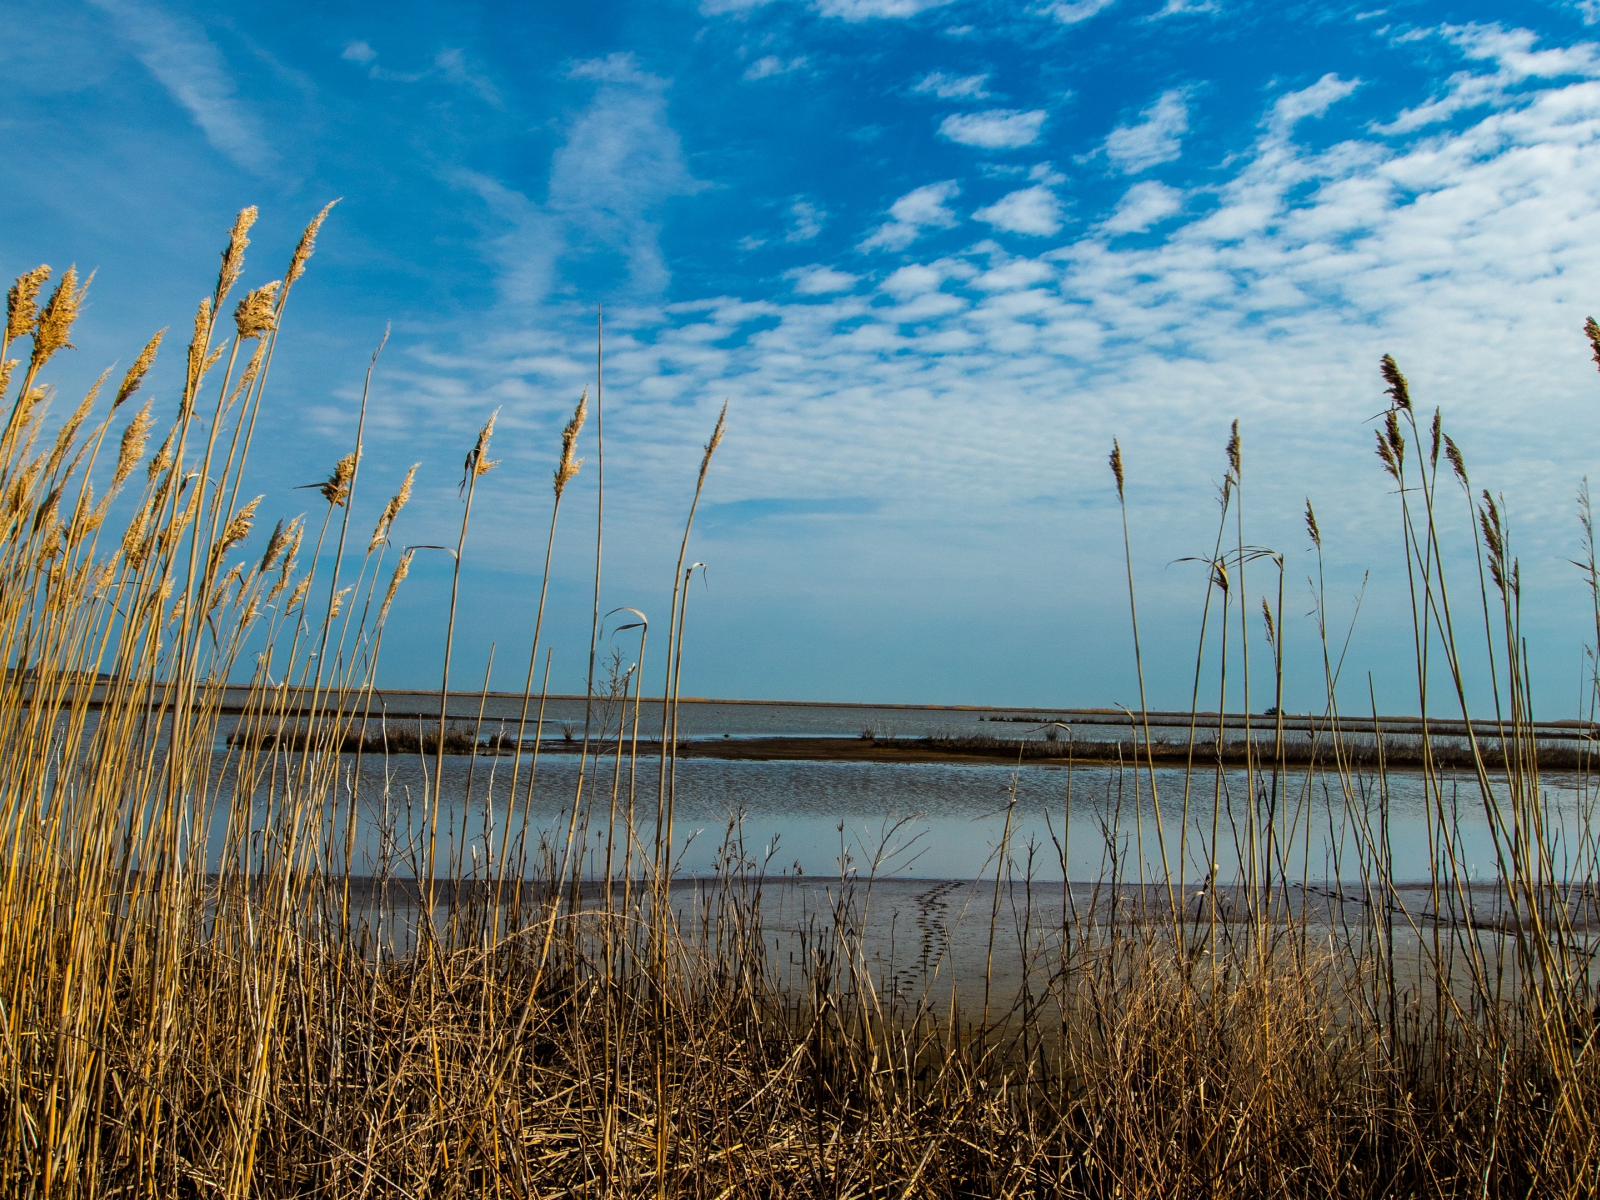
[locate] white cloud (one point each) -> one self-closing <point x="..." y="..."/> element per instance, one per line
<point x="186" y="62"/>
<point x="1013" y="275"/>
<point x="926" y="207"/>
<point x="863" y="10"/>
<point x="620" y="161"/>
<point x="453" y="66"/>
<point x="1512" y="52"/>
<point x="450" y="64"/>
<point x="820" y="280"/>
<point x="952" y="87"/>
<point x="1156" y="139"/>
<point x="1589" y="10"/>
<point x="913" y="280"/>
<point x="618" y="67"/>
<point x="1033" y="210"/>
<point x="765" y="68"/>
<point x="1142" y="206"/>
<point x="997" y="129"/>
<point x="848" y="10"/>
<point x="1081" y="10"/>
<point x="959" y="400"/>
<point x="807" y="220"/>
<point x="1313" y="101"/>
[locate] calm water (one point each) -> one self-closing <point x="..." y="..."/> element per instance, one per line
<point x="908" y="821"/>
<point x="915" y="821"/>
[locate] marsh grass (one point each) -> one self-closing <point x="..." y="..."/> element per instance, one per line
<point x="483" y="1017"/>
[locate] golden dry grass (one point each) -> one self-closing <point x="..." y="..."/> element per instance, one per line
<point x="266" y="1025"/>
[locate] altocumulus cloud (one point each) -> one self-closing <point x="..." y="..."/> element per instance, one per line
<point x="865" y="10"/>
<point x="1156" y="139"/>
<point x="1291" y="276"/>
<point x="926" y="207"/>
<point x="1143" y="205"/>
<point x="1033" y="210"/>
<point x="953" y="387"/>
<point x="952" y="87"/>
<point x="820" y="281"/>
<point x="1080" y="10"/>
<point x="997" y="129"/>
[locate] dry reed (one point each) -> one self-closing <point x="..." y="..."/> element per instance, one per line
<point x="199" y="997"/>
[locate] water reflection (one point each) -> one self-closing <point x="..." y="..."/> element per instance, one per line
<point x="936" y="820"/>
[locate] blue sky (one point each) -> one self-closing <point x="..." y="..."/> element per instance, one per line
<point x="935" y="256"/>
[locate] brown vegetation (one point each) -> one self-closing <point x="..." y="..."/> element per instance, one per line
<point x="259" y="1026"/>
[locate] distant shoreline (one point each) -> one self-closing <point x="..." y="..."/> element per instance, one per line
<point x="1061" y="754"/>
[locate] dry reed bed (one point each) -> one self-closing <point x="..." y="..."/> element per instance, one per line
<point x="244" y="1027"/>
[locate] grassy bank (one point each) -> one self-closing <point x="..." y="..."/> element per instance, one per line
<point x="252" y="1026"/>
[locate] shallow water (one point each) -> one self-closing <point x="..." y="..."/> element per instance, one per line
<point x="963" y="820"/>
<point x="943" y="820"/>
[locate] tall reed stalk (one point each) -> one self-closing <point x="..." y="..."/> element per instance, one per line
<point x="222" y="973"/>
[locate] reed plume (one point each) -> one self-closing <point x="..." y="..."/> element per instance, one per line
<point x="22" y="302"/>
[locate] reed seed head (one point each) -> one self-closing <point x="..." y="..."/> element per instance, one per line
<point x="238" y="526"/>
<point x="163" y="457"/>
<point x="1234" y="459"/>
<point x="401" y="570"/>
<point x="285" y="551"/>
<point x="1452" y="452"/>
<point x="391" y="510"/>
<point x="54" y="324"/>
<point x="107" y="573"/>
<point x="69" y="428"/>
<point x="256" y="314"/>
<point x="275" y="544"/>
<point x="136" y="373"/>
<point x="1311" y="525"/>
<point x="1396" y="440"/>
<point x="568" y="466"/>
<point x="711" y="446"/>
<point x="299" y="594"/>
<point x="477" y="462"/>
<point x="1494" y="539"/>
<point x="134" y="545"/>
<point x="337" y="604"/>
<point x="28" y="405"/>
<point x="1116" y="467"/>
<point x="21" y="488"/>
<point x="220" y="592"/>
<point x="304" y="249"/>
<point x="22" y="302"/>
<point x="1397" y="390"/>
<point x="1387" y="456"/>
<point x="1266" y="616"/>
<point x="233" y="255"/>
<point x="6" y="369"/>
<point x="198" y="344"/>
<point x="248" y="375"/>
<point x="46" y="512"/>
<point x="1586" y="520"/>
<point x="1590" y="329"/>
<point x="336" y="489"/>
